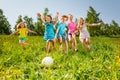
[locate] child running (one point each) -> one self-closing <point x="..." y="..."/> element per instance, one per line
<point x="84" y="34"/>
<point x="61" y="32"/>
<point x="71" y="33"/>
<point x="22" y="30"/>
<point x="49" y="34"/>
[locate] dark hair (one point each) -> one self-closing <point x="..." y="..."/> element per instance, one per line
<point x="64" y="16"/>
<point x="49" y="17"/>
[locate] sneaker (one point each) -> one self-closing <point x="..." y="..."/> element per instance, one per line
<point x="76" y="50"/>
<point x="60" y="48"/>
<point x="66" y="52"/>
<point x="89" y="47"/>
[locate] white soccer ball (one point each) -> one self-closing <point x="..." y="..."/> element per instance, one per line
<point x="47" y="61"/>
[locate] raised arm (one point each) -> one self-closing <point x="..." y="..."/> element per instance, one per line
<point x="56" y="18"/>
<point x="98" y="24"/>
<point x="39" y="15"/>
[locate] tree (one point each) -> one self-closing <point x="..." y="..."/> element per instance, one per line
<point x="40" y="28"/>
<point x="93" y="17"/>
<point x="46" y="10"/>
<point x="4" y="24"/>
<point x="18" y="21"/>
<point x="30" y="24"/>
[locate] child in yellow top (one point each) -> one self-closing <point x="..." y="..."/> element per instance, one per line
<point x="22" y="30"/>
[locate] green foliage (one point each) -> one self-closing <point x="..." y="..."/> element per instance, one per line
<point x="30" y="24"/>
<point x="40" y="28"/>
<point x="24" y="63"/>
<point x="18" y="21"/>
<point x="4" y="24"/>
<point x="112" y="29"/>
<point x="93" y="17"/>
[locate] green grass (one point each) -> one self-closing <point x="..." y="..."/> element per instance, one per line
<point x="17" y="63"/>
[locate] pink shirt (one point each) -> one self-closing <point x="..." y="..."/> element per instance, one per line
<point x="71" y="27"/>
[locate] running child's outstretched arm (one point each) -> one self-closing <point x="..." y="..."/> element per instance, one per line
<point x="40" y="16"/>
<point x="32" y="31"/>
<point x="98" y="24"/>
<point x="14" y="33"/>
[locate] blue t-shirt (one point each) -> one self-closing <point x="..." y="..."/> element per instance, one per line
<point x="61" y="28"/>
<point x="49" y="31"/>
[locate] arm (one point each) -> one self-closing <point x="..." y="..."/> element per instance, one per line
<point x="32" y="31"/>
<point x="56" y="18"/>
<point x="56" y="33"/>
<point x="39" y="15"/>
<point x="14" y="33"/>
<point x="79" y="27"/>
<point x="98" y="24"/>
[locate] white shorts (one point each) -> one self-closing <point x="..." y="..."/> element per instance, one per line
<point x="84" y="36"/>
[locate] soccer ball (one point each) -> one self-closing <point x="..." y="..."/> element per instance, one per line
<point x="47" y="61"/>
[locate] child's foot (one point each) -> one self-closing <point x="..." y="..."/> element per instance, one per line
<point x="66" y="52"/>
<point x="76" y="50"/>
<point x="60" y="48"/>
<point x="89" y="47"/>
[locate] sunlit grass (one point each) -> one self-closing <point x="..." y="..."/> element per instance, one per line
<point x="101" y="63"/>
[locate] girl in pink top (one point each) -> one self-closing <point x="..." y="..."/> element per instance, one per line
<point x="71" y="33"/>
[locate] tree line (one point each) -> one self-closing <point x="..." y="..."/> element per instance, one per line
<point x="92" y="16"/>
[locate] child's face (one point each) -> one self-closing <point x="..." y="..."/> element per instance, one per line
<point x="81" y="21"/>
<point x="63" y="19"/>
<point x="70" y="17"/>
<point x="48" y="19"/>
<point x="22" y="25"/>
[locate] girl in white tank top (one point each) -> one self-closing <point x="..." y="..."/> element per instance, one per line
<point x="84" y="34"/>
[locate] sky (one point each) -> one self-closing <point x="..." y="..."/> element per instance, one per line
<point x="109" y="9"/>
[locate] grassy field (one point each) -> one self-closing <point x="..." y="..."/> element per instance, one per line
<point x="17" y="63"/>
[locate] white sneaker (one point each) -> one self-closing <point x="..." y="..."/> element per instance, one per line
<point x="60" y="48"/>
<point x="89" y="47"/>
<point x="66" y="52"/>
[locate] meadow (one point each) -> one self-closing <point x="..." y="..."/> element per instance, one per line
<point x="24" y="63"/>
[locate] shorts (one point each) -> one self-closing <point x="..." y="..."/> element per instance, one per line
<point x="51" y="38"/>
<point x="22" y="38"/>
<point x="84" y="37"/>
<point x="63" y="37"/>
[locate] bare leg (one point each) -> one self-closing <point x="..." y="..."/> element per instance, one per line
<point x="88" y="41"/>
<point x="53" y="43"/>
<point x="74" y="42"/>
<point x="84" y="44"/>
<point x="60" y="41"/>
<point x="66" y="46"/>
<point x="71" y="41"/>
<point x="47" y="46"/>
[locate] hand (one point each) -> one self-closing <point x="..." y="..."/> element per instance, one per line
<point x="57" y="14"/>
<point x="38" y="14"/>
<point x="35" y="32"/>
<point x="100" y="23"/>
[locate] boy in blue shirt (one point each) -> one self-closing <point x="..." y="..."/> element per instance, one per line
<point x="61" y="32"/>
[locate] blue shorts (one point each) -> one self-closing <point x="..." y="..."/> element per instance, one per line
<point x="51" y="38"/>
<point x="63" y="37"/>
